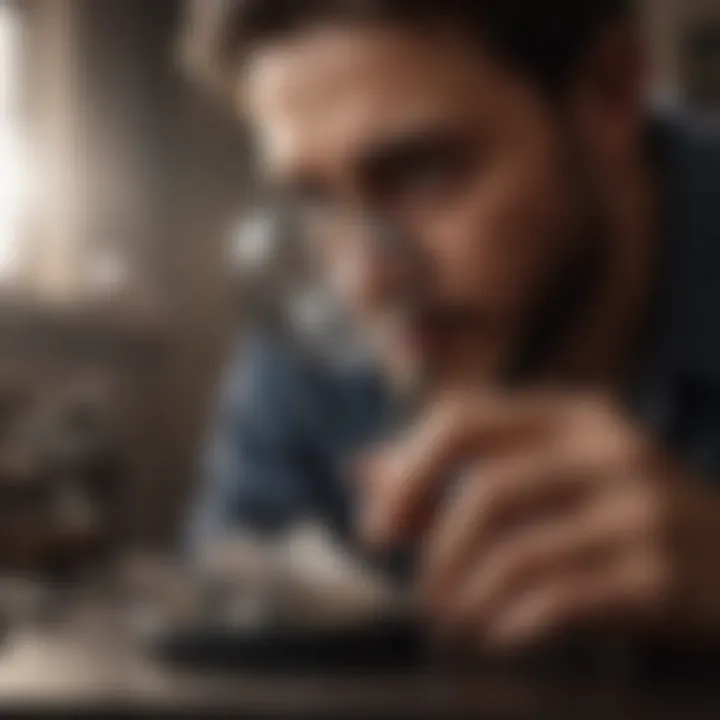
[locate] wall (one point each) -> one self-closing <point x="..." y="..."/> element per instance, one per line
<point x="666" y="23"/>
<point x="134" y="156"/>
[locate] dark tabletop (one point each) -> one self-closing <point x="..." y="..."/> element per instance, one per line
<point x="88" y="664"/>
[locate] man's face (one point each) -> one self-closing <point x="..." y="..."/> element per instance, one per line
<point x="458" y="159"/>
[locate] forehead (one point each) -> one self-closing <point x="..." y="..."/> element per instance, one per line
<point x="327" y="94"/>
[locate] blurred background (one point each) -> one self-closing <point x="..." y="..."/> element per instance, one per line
<point x="123" y="188"/>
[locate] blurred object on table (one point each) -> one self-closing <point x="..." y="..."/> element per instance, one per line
<point x="60" y="475"/>
<point x="300" y="603"/>
<point x="242" y="583"/>
<point x="282" y="292"/>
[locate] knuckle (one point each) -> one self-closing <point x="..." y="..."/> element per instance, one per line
<point x="487" y="498"/>
<point x="624" y="441"/>
<point x="504" y="564"/>
<point x="656" y="511"/>
<point x="594" y="408"/>
<point x="631" y="453"/>
<point x="446" y="420"/>
<point x="658" y="582"/>
<point x="607" y="431"/>
<point x="496" y="489"/>
<point x="557" y="606"/>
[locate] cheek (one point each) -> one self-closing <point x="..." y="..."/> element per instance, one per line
<point x="497" y="244"/>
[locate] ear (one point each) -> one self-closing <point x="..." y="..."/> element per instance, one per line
<point x="609" y="94"/>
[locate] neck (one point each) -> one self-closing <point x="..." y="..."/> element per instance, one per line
<point x="603" y="346"/>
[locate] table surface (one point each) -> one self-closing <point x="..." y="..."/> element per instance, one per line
<point x="88" y="664"/>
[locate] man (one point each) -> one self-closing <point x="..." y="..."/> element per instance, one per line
<point x="536" y="257"/>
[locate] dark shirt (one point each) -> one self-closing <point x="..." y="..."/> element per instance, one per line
<point x="287" y="428"/>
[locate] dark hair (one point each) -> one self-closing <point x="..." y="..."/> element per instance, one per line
<point x="545" y="39"/>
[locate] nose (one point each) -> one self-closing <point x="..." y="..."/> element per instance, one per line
<point x="381" y="267"/>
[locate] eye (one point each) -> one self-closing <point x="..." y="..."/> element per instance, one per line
<point x="429" y="174"/>
<point x="426" y="173"/>
<point x="420" y="169"/>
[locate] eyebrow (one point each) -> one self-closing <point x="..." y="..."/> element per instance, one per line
<point x="392" y="150"/>
<point x="371" y="163"/>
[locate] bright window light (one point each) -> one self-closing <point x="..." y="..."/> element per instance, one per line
<point x="13" y="159"/>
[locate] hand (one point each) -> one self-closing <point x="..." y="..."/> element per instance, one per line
<point x="541" y="514"/>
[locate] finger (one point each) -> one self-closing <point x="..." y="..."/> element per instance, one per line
<point x="414" y="471"/>
<point x="604" y="599"/>
<point x="378" y="524"/>
<point x="510" y="493"/>
<point x="364" y="471"/>
<point x="533" y="556"/>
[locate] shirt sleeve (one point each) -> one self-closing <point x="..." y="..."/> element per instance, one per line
<point x="250" y="478"/>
